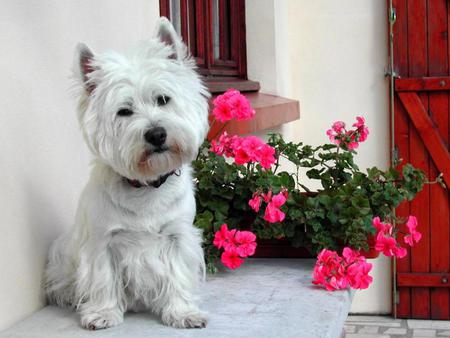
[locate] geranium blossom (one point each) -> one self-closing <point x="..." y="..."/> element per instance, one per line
<point x="349" y="139"/>
<point x="386" y="244"/>
<point x="385" y="228"/>
<point x="414" y="236"/>
<point x="231" y="259"/>
<point x="236" y="244"/>
<point x="244" y="149"/>
<point x="273" y="214"/>
<point x="224" y="238"/>
<point x="246" y="243"/>
<point x="335" y="272"/>
<point x="255" y="203"/>
<point x="232" y="104"/>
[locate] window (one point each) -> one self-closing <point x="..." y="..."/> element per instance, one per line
<point x="214" y="31"/>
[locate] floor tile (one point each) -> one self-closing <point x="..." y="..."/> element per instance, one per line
<point x="419" y="324"/>
<point x="368" y="329"/>
<point x="382" y="324"/>
<point x="396" y="331"/>
<point x="363" y="335"/>
<point x="424" y="333"/>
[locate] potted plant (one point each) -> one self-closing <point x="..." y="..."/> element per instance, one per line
<point x="241" y="182"/>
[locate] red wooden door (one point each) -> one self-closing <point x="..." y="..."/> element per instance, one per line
<point x="421" y="59"/>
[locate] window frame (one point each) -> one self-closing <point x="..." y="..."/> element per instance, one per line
<point x="218" y="73"/>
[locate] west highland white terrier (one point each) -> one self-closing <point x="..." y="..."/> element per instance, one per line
<point x="144" y="116"/>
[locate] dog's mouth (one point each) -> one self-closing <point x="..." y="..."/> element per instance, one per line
<point x="149" y="152"/>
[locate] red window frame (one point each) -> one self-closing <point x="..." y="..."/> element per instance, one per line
<point x="196" y="25"/>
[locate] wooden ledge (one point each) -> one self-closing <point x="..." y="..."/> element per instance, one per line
<point x="271" y="111"/>
<point x="221" y="84"/>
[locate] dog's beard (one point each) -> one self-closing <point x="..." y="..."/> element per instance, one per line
<point x="155" y="162"/>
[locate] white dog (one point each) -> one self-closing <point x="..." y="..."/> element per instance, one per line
<point x="144" y="116"/>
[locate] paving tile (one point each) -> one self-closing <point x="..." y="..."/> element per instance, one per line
<point x="396" y="331"/>
<point x="358" y="318"/>
<point x="368" y="329"/>
<point x="424" y="333"/>
<point x="350" y="328"/>
<point x="444" y="334"/>
<point x="440" y="324"/>
<point x="419" y="324"/>
<point x="363" y="335"/>
<point x="382" y="324"/>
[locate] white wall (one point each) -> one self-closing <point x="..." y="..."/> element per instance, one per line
<point x="44" y="163"/>
<point x="329" y="55"/>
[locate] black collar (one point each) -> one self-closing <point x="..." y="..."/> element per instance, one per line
<point x="156" y="183"/>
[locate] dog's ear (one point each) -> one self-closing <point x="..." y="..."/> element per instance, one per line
<point x="84" y="59"/>
<point x="167" y="34"/>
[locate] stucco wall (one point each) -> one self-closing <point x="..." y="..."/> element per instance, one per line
<point x="43" y="162"/>
<point x="329" y="55"/>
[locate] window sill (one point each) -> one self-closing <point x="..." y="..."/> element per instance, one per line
<point x="221" y="84"/>
<point x="271" y="111"/>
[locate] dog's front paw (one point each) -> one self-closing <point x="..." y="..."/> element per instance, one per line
<point x="102" y="319"/>
<point x="190" y="320"/>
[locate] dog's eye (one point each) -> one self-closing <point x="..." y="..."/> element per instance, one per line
<point x="162" y="100"/>
<point x="125" y="112"/>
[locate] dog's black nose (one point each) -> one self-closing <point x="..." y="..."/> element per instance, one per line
<point x="156" y="136"/>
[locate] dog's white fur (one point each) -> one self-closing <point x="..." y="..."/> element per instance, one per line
<point x="135" y="248"/>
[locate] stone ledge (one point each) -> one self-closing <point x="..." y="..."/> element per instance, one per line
<point x="264" y="298"/>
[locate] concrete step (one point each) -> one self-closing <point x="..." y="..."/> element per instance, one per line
<point x="264" y="298"/>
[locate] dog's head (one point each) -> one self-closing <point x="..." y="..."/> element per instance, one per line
<point x="144" y="113"/>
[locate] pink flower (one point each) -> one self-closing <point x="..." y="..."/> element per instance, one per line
<point x="338" y="126"/>
<point x="225" y="145"/>
<point x="231" y="259"/>
<point x="222" y="111"/>
<point x="246" y="243"/>
<point x="266" y="156"/>
<point x="241" y="156"/>
<point x="350" y="255"/>
<point x="360" y="121"/>
<point x="241" y="109"/>
<point x="224" y="238"/>
<point x="273" y="214"/>
<point x="221" y="237"/>
<point x="400" y="252"/>
<point x="333" y="136"/>
<point x="335" y="272"/>
<point x="267" y="197"/>
<point x="363" y="133"/>
<point x="385" y="228"/>
<point x="352" y="145"/>
<point x="255" y="203"/>
<point x="232" y="104"/>
<point x="348" y="139"/>
<point x="358" y="275"/>
<point x="279" y="199"/>
<point x="412" y="223"/>
<point x="386" y="244"/>
<point x="236" y="245"/>
<point x="414" y="236"/>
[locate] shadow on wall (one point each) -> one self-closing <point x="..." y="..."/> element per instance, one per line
<point x="44" y="224"/>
